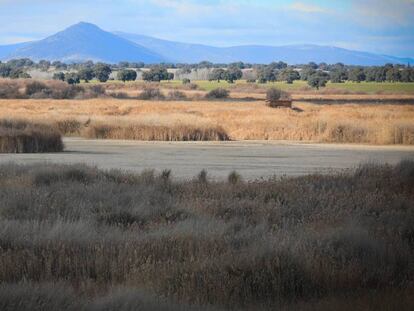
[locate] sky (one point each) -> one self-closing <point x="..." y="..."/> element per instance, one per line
<point x="378" y="26"/>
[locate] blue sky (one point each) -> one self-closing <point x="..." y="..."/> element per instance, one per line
<point x="379" y="26"/>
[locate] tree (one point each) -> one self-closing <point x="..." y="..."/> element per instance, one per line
<point x="217" y="74"/>
<point x="289" y="75"/>
<point x="278" y="65"/>
<point x="72" y="78"/>
<point x="232" y="74"/>
<point x="123" y="65"/>
<point x="59" y="76"/>
<point x="59" y="65"/>
<point x="157" y="74"/>
<point x="86" y="74"/>
<point x="318" y="79"/>
<point x="127" y="75"/>
<point x="18" y="73"/>
<point x="102" y="72"/>
<point x="267" y="73"/>
<point x="407" y="75"/>
<point x="357" y="74"/>
<point x="44" y="65"/>
<point x="338" y="75"/>
<point x="393" y="75"/>
<point x="4" y="70"/>
<point x="306" y="72"/>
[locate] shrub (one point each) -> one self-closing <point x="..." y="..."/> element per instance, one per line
<point x="151" y="93"/>
<point x="36" y="87"/>
<point x="218" y="93"/>
<point x="186" y="81"/>
<point x="202" y="177"/>
<point x="9" y="90"/>
<point x="192" y="86"/>
<point x="25" y="137"/>
<point x="176" y="95"/>
<point x="277" y="98"/>
<point x="119" y="95"/>
<point x="251" y="80"/>
<point x="59" y="76"/>
<point x="234" y="178"/>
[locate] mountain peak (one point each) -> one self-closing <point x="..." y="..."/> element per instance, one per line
<point x="86" y="41"/>
<point x="84" y="26"/>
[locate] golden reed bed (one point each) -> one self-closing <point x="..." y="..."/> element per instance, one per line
<point x="345" y="123"/>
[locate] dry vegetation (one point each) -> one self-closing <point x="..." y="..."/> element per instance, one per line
<point x="76" y="238"/>
<point x="25" y="137"/>
<point x="175" y="120"/>
<point x="32" y="89"/>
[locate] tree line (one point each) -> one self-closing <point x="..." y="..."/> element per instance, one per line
<point x="317" y="75"/>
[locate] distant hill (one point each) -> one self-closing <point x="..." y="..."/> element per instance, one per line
<point x="86" y="41"/>
<point x="293" y="54"/>
<point x="82" y="42"/>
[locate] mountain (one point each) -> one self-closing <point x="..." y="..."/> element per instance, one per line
<point x="86" y="41"/>
<point x="6" y="50"/>
<point x="82" y="42"/>
<point x="292" y="54"/>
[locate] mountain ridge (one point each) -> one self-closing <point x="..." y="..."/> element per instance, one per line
<point x="86" y="41"/>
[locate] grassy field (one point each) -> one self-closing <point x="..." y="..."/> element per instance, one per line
<point x="300" y="86"/>
<point x="296" y="87"/>
<point x="76" y="238"/>
<point x="216" y="120"/>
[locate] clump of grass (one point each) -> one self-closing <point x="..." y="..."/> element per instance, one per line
<point x="69" y="126"/>
<point x="26" y="137"/>
<point x="219" y="93"/>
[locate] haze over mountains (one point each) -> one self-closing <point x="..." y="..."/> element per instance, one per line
<point x="85" y="41"/>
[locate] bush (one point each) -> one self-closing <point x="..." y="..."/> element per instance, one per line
<point x="9" y="90"/>
<point x="186" y="81"/>
<point x="234" y="178"/>
<point x="218" y="93"/>
<point x="192" y="86"/>
<point x="119" y="95"/>
<point x="25" y="137"/>
<point x="151" y="94"/>
<point x="176" y="95"/>
<point x="251" y="81"/>
<point x="36" y="87"/>
<point x="276" y="98"/>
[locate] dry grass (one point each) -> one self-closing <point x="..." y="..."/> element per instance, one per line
<point x="345" y="123"/>
<point x="76" y="238"/>
<point x="153" y="132"/>
<point x="33" y="89"/>
<point x="25" y="137"/>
